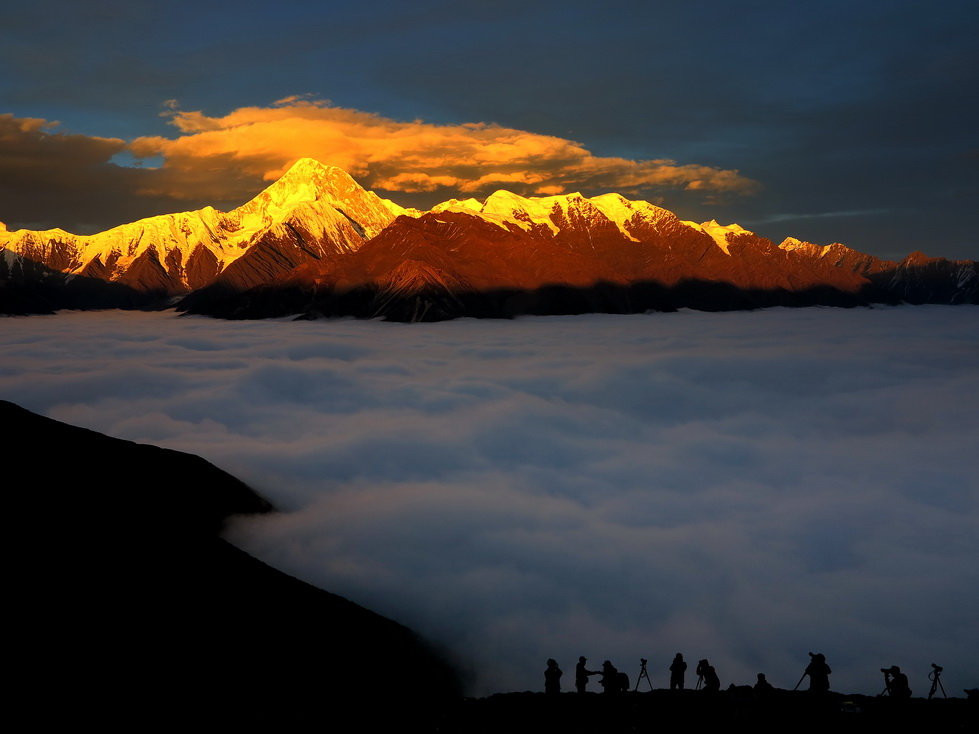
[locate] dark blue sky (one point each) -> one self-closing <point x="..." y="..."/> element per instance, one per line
<point x="859" y="120"/>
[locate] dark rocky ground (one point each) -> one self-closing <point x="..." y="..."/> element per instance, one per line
<point x="782" y="712"/>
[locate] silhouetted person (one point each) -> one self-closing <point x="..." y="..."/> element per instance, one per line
<point x="581" y="674"/>
<point x="677" y="670"/>
<point x="623" y="680"/>
<point x="711" y="681"/>
<point x="552" y="677"/>
<point x="610" y="681"/>
<point x="818" y="672"/>
<point x="897" y="682"/>
<point x="763" y="686"/>
<point x="706" y="671"/>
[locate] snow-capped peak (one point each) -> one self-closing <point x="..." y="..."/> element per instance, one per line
<point x="719" y="232"/>
<point x="505" y="208"/>
<point x="792" y="244"/>
<point x="322" y="199"/>
<point x="308" y="180"/>
<point x="465" y="205"/>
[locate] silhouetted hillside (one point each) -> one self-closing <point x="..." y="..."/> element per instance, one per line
<point x="125" y="605"/>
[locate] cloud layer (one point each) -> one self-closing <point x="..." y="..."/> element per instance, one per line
<point x="745" y="487"/>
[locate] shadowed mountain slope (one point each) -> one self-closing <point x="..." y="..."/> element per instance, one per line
<point x="125" y="604"/>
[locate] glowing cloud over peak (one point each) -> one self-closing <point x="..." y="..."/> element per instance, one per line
<point x="411" y="156"/>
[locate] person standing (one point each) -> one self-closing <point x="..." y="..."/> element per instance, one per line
<point x="552" y="677"/>
<point x="818" y="672"/>
<point x="677" y="670"/>
<point x="610" y="678"/>
<point x="581" y="674"/>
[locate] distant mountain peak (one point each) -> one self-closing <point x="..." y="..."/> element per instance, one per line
<point x="312" y="169"/>
<point x="309" y="180"/>
<point x="310" y="164"/>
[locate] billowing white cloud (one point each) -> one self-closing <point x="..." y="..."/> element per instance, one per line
<point x="745" y="487"/>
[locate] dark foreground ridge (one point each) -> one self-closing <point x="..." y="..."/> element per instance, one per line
<point x="735" y="710"/>
<point x="125" y="608"/>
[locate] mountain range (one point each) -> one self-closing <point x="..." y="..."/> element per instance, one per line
<point x="316" y="243"/>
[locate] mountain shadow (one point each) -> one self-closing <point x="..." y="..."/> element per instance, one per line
<point x="30" y="287"/>
<point x="125" y="607"/>
<point x="434" y="302"/>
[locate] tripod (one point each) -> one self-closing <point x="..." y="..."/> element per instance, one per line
<point x="935" y="676"/>
<point x="643" y="674"/>
<point x="888" y="683"/>
<point x="800" y="681"/>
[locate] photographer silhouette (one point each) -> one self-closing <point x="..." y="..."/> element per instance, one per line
<point x="895" y="683"/>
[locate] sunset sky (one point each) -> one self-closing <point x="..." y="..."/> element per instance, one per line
<point x="829" y="121"/>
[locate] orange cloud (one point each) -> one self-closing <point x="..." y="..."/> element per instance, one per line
<point x="262" y="142"/>
<point x="69" y="180"/>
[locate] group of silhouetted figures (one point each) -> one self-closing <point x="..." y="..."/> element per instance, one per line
<point x="613" y="681"/>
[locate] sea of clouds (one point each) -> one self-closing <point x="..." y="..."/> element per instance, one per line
<point x="745" y="487"/>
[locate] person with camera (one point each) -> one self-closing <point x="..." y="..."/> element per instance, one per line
<point x="818" y="672"/>
<point x="677" y="670"/>
<point x="611" y="681"/>
<point x="706" y="672"/>
<point x="896" y="682"/>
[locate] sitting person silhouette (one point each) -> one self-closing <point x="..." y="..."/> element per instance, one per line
<point x="897" y="682"/>
<point x="706" y="672"/>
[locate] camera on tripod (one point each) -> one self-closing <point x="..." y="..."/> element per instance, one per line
<point x="935" y="676"/>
